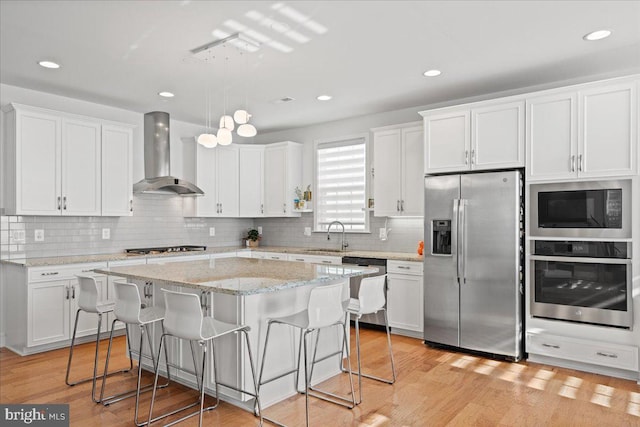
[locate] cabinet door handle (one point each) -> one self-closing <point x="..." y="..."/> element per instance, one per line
<point x="573" y="163"/>
<point x="59" y="205"/>
<point x="131" y="205"/>
<point x="466" y="157"/>
<point x="261" y="207"/>
<point x="284" y="208"/>
<point x="326" y="262"/>
<point x="398" y="205"/>
<point x="473" y="157"/>
<point x="67" y="296"/>
<point x="87" y="271"/>
<point x="64" y="203"/>
<point x="220" y="207"/>
<point x="611" y="355"/>
<point x="580" y="163"/>
<point x="299" y="259"/>
<point x="550" y="345"/>
<point x="275" y="257"/>
<point x="52" y="273"/>
<point x="73" y="292"/>
<point x="404" y="267"/>
<point x="401" y="205"/>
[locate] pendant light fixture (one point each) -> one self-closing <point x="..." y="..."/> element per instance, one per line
<point x="227" y="123"/>
<point x="208" y="139"/>
<point x="242" y="117"/>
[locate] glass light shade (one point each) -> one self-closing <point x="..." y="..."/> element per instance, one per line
<point x="241" y="116"/>
<point x="227" y="122"/>
<point x="224" y="136"/>
<point x="208" y="140"/>
<point x="247" y="130"/>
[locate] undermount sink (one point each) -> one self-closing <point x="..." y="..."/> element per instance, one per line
<point x="324" y="250"/>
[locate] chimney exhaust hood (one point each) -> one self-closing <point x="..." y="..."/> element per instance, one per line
<point x="157" y="171"/>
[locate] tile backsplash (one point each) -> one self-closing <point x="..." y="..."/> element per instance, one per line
<point x="403" y="234"/>
<point x="159" y="221"/>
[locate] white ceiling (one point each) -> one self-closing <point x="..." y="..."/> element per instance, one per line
<point x="370" y="58"/>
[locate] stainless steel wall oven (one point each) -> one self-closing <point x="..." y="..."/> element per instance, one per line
<point x="582" y="281"/>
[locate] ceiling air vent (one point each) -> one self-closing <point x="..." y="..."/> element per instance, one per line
<point x="283" y="100"/>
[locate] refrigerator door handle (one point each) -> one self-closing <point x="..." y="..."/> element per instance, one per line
<point x="456" y="221"/>
<point x="461" y="246"/>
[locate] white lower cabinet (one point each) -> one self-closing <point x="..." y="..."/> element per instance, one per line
<point x="52" y="306"/>
<point x="587" y="351"/>
<point x="405" y="305"/>
<point x="40" y="305"/>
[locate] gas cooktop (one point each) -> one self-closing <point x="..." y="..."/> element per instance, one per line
<point x="166" y="249"/>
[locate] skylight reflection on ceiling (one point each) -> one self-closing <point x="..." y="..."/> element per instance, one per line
<point x="299" y="18"/>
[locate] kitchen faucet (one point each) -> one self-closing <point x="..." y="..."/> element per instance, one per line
<point x="344" y="243"/>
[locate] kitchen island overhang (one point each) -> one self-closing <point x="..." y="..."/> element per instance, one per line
<point x="249" y="292"/>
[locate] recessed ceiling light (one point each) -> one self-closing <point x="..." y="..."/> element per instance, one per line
<point x="432" y="73"/>
<point x="324" y="98"/>
<point x="597" y="35"/>
<point x="166" y="94"/>
<point x="49" y="64"/>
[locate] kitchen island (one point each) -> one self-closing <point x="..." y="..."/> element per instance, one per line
<point x="243" y="291"/>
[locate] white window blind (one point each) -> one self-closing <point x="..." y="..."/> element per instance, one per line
<point x="341" y="185"/>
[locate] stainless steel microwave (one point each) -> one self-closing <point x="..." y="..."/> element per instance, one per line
<point x="599" y="209"/>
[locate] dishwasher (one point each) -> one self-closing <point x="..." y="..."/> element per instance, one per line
<point x="375" y="320"/>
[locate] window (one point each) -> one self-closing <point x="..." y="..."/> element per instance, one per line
<point x="341" y="184"/>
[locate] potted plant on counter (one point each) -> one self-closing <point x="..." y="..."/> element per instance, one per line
<point x="253" y="238"/>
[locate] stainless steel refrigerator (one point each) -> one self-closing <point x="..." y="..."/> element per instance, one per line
<point x="473" y="262"/>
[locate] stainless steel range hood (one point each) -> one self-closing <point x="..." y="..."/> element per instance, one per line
<point x="157" y="171"/>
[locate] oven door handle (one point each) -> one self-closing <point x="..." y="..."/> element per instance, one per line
<point x="576" y="259"/>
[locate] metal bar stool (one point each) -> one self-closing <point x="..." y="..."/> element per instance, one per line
<point x="185" y="320"/>
<point x="324" y="309"/>
<point x="129" y="310"/>
<point x="371" y="299"/>
<point x="89" y="303"/>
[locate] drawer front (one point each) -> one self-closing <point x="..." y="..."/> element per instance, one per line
<point x="598" y="353"/>
<point x="62" y="272"/>
<point x="269" y="255"/>
<point x="404" y="267"/>
<point x="315" y="259"/>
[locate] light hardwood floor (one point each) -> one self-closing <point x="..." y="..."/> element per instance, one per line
<point x="434" y="388"/>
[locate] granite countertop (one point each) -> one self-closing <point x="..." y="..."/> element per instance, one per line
<point x="238" y="276"/>
<point x="120" y="256"/>
<point x="396" y="256"/>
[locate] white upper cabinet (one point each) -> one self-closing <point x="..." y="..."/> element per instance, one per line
<point x="217" y="175"/>
<point x="32" y="160"/>
<point x="608" y="130"/>
<point x="282" y="173"/>
<point x="480" y="136"/>
<point x="53" y="164"/>
<point x="497" y="136"/>
<point x="251" y="181"/>
<point x="81" y="169"/>
<point x="398" y="170"/>
<point x="117" y="180"/>
<point x="588" y="132"/>
<point x="447" y="141"/>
